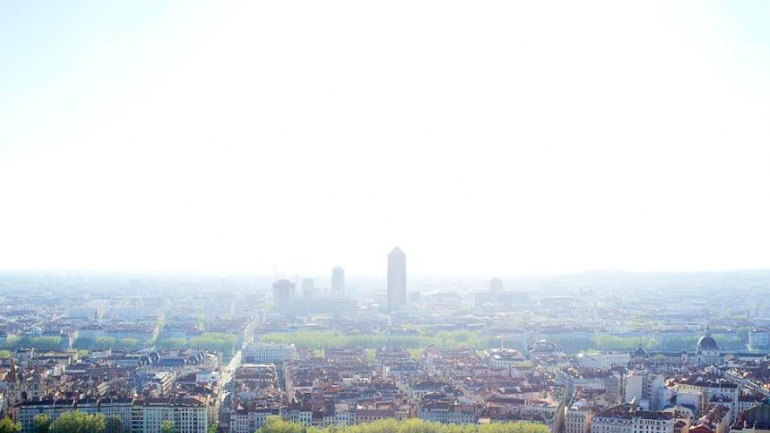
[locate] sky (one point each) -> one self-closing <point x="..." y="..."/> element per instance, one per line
<point x="481" y="137"/>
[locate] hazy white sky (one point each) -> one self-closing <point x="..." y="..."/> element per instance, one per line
<point x="481" y="137"/>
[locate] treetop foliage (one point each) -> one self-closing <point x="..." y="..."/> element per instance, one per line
<point x="276" y="425"/>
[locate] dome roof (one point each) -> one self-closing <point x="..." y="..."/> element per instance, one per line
<point x="707" y="343"/>
<point x="639" y="352"/>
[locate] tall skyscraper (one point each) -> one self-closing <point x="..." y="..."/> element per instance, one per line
<point x="396" y="279"/>
<point x="495" y="286"/>
<point x="338" y="281"/>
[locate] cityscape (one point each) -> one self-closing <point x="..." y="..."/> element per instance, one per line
<point x="567" y="355"/>
<point x="384" y="216"/>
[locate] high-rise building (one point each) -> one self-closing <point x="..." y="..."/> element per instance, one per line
<point x="283" y="289"/>
<point x="338" y="281"/>
<point x="495" y="286"/>
<point x="396" y="279"/>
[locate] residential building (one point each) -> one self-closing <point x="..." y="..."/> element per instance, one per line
<point x="189" y="414"/>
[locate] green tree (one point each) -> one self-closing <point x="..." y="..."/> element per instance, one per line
<point x="167" y="426"/>
<point x="743" y="333"/>
<point x="8" y="426"/>
<point x="83" y="343"/>
<point x="103" y="343"/>
<point x="442" y="340"/>
<point x="127" y="344"/>
<point x="172" y="343"/>
<point x="42" y="423"/>
<point x="113" y="424"/>
<point x="78" y="422"/>
<point x="37" y="343"/>
<point x="276" y="425"/>
<point x="213" y="428"/>
<point x="216" y="341"/>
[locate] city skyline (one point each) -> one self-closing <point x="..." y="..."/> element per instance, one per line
<point x="206" y="208"/>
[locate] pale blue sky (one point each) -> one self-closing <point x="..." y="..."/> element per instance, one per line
<point x="483" y="138"/>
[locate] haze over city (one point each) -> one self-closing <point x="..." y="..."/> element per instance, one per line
<point x="384" y="216"/>
<point x="493" y="138"/>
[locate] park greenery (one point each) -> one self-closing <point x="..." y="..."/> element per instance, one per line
<point x="441" y="340"/>
<point x="104" y="343"/>
<point x="211" y="341"/>
<point x="276" y="425"/>
<point x="37" y="343"/>
<point x="77" y="422"/>
<point x="320" y="340"/>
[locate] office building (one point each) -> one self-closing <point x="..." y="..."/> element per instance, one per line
<point x="338" y="281"/>
<point x="396" y="279"/>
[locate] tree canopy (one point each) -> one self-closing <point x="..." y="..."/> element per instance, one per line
<point x="79" y="422"/>
<point x="167" y="426"/>
<point x="276" y="425"/>
<point x="8" y="426"/>
<point x="42" y="423"/>
<point x="37" y="343"/>
<point x="211" y="341"/>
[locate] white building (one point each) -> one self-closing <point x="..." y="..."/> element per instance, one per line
<point x="269" y="353"/>
<point x="249" y="421"/>
<point x="26" y="411"/>
<point x="446" y="412"/>
<point x="506" y="359"/>
<point x="613" y="421"/>
<point x="603" y="360"/>
<point x="653" y="422"/>
<point x="577" y="419"/>
<point x="205" y="377"/>
<point x="301" y="415"/>
<point x="726" y="393"/>
<point x="572" y="379"/>
<point x="644" y="388"/>
<point x="189" y="415"/>
<point x="627" y="418"/>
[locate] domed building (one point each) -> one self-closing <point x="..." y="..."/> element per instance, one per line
<point x="707" y="350"/>
<point x="639" y="355"/>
